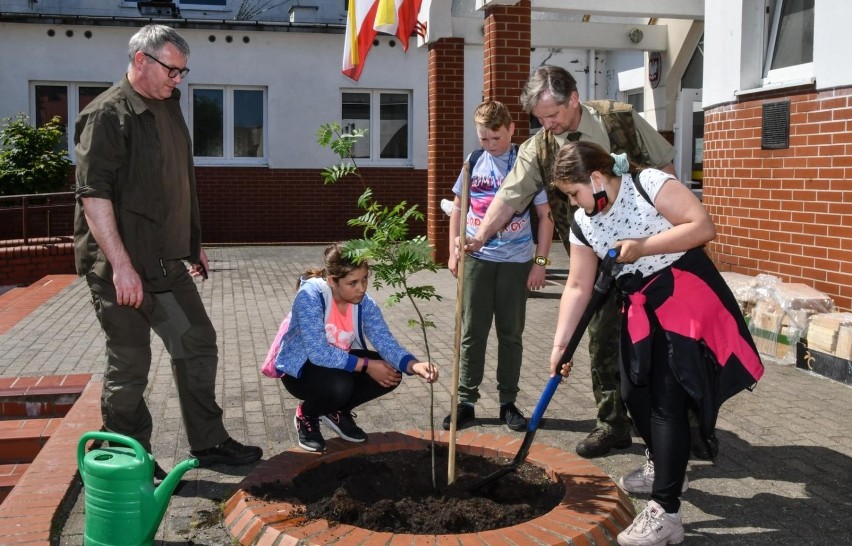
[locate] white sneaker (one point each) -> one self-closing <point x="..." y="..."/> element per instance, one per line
<point x="641" y="480"/>
<point x="653" y="527"/>
<point x="447" y="206"/>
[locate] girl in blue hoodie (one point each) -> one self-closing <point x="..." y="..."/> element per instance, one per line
<point x="323" y="355"/>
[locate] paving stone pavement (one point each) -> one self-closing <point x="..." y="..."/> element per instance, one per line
<point x="782" y="475"/>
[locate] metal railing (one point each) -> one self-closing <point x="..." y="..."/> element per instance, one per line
<point x="44" y="206"/>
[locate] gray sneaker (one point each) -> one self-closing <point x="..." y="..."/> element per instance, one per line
<point x="641" y="479"/>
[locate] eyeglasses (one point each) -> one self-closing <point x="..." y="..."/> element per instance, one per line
<point x="174" y="71"/>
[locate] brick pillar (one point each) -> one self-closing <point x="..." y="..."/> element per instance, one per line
<point x="446" y="135"/>
<point x="506" y="58"/>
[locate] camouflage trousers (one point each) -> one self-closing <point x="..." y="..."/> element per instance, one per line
<point x="604" y="354"/>
<point x="604" y="337"/>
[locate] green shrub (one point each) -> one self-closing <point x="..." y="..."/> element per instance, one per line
<point x="33" y="159"/>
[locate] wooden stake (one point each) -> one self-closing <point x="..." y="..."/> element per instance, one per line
<point x="454" y="392"/>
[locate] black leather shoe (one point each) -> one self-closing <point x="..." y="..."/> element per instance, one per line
<point x="600" y="441"/>
<point x="465" y="415"/>
<point x="229" y="452"/>
<point x="159" y="474"/>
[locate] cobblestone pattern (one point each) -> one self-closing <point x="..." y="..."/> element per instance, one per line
<point x="782" y="475"/>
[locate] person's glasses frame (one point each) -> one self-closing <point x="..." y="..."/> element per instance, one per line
<point x="173" y="70"/>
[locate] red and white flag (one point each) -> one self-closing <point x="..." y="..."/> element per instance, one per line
<point x="369" y="17"/>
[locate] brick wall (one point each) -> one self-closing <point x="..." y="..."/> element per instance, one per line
<point x="260" y="205"/>
<point x="238" y="205"/>
<point x="446" y="134"/>
<point x="784" y="212"/>
<point x="507" y="59"/>
<point x="27" y="264"/>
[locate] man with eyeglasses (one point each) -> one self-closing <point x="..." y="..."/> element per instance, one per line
<point x="136" y="226"/>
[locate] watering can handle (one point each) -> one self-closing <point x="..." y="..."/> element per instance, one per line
<point x="138" y="450"/>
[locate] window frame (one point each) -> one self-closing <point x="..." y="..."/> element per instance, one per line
<point x="789" y="75"/>
<point x="374" y="133"/>
<point x="228" y="158"/>
<point x="72" y="90"/>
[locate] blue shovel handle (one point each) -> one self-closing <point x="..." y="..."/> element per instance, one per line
<point x="544" y="401"/>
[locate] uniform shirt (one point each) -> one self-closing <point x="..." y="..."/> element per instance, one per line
<point x="118" y="158"/>
<point x="524" y="180"/>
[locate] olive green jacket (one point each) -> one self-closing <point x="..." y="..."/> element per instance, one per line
<point x="118" y="158"/>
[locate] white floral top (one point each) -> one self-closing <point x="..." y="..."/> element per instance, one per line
<point x="630" y="217"/>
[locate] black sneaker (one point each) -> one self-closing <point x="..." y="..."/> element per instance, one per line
<point x="512" y="417"/>
<point x="310" y="437"/>
<point x="600" y="441"/>
<point x="465" y="415"/>
<point x="229" y="452"/>
<point x="343" y="423"/>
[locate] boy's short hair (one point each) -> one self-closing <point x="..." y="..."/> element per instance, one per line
<point x="492" y="115"/>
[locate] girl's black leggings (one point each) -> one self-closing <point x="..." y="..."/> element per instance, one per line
<point x="326" y="390"/>
<point x="659" y="411"/>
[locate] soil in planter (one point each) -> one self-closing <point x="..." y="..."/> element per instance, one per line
<point x="393" y="492"/>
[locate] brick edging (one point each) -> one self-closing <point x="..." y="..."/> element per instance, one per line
<point x="593" y="511"/>
<point x="27" y="514"/>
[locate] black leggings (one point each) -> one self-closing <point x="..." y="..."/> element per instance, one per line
<point x="659" y="411"/>
<point x="326" y="390"/>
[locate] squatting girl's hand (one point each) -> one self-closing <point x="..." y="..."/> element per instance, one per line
<point x="427" y="371"/>
<point x="383" y="373"/>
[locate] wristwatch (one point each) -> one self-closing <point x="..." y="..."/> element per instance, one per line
<point x="541" y="260"/>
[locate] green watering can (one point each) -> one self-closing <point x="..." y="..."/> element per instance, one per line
<point x="122" y="505"/>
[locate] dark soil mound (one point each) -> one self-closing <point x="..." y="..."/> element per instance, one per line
<point x="393" y="492"/>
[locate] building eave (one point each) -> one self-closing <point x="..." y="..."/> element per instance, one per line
<point x="209" y="24"/>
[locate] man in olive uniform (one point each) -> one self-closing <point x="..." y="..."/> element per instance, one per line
<point x="550" y="95"/>
<point x="136" y="226"/>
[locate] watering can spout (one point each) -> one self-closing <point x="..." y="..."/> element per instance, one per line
<point x="164" y="491"/>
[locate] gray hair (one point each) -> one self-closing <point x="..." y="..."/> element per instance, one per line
<point x="151" y="39"/>
<point x="548" y="79"/>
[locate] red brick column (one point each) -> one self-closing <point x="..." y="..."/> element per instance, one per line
<point x="446" y="135"/>
<point x="507" y="59"/>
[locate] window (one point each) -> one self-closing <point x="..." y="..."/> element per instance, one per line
<point x="790" y="47"/>
<point x="386" y="115"/>
<point x="636" y="99"/>
<point x="65" y="100"/>
<point x="229" y="124"/>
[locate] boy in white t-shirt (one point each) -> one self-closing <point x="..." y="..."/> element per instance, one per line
<point x="497" y="277"/>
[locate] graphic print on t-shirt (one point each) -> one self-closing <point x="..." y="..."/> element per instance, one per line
<point x="339" y="330"/>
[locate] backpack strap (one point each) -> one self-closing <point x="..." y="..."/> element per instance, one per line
<point x="641" y="189"/>
<point x="546" y="149"/>
<point x="578" y="233"/>
<point x="474" y="157"/>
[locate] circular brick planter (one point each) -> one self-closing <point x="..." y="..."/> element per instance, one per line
<point x="593" y="511"/>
